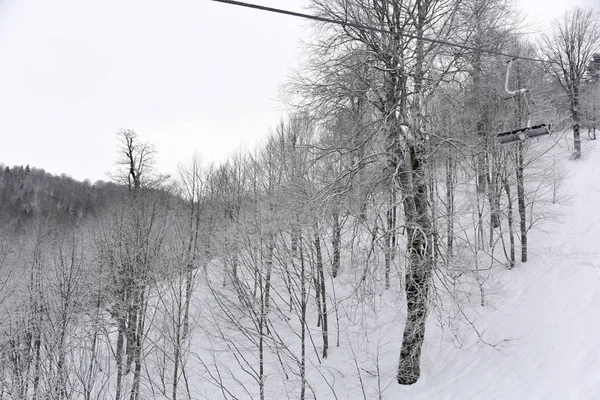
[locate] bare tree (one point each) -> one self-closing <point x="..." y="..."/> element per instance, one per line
<point x="569" y="48"/>
<point x="174" y="300"/>
<point x="130" y="243"/>
<point x="135" y="161"/>
<point x="406" y="70"/>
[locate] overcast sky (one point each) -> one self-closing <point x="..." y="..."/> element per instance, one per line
<point x="187" y="75"/>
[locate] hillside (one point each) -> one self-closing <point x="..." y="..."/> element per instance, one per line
<point x="28" y="194"/>
<point x="414" y="220"/>
<point x="535" y="338"/>
<point x="544" y="318"/>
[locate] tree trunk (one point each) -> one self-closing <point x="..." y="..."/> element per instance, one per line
<point x="320" y="284"/>
<point x="390" y="237"/>
<point x="418" y="219"/>
<point x="177" y="347"/>
<point x="481" y="159"/>
<point x="450" y="207"/>
<point x="494" y="194"/>
<point x="511" y="233"/>
<point x="119" y="356"/>
<point x="433" y="194"/>
<point x="575" y="114"/>
<point x="521" y="201"/>
<point x="37" y="347"/>
<point x="295" y="234"/>
<point x="303" y="301"/>
<point x="269" y="265"/>
<point x="261" y="338"/>
<point x="189" y="282"/>
<point x="335" y="242"/>
<point x="482" y="153"/>
<point x="419" y="269"/>
<point x="142" y="300"/>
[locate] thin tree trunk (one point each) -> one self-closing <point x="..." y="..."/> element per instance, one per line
<point x="37" y="347"/>
<point x="89" y="374"/>
<point x="335" y="242"/>
<point x="521" y="201"/>
<point x="189" y="282"/>
<point x="269" y="265"/>
<point x="511" y="234"/>
<point x="302" y="323"/>
<point x="494" y="201"/>
<point x="295" y="233"/>
<point x="450" y="206"/>
<point x="317" y="283"/>
<point x="575" y="114"/>
<point x="494" y="191"/>
<point x="320" y="284"/>
<point x="433" y="192"/>
<point x="139" y="339"/>
<point x="261" y="352"/>
<point x="61" y="389"/>
<point x="36" y="288"/>
<point x="177" y="349"/>
<point x="119" y="357"/>
<point x="390" y="237"/>
<point x="262" y="321"/>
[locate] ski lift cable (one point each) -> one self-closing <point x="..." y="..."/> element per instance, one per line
<point x="521" y="134"/>
<point x="375" y="29"/>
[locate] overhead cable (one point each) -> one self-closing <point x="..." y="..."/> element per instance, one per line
<point x="372" y="28"/>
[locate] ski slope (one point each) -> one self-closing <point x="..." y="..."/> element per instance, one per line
<point x="537" y="337"/>
<point x="546" y="320"/>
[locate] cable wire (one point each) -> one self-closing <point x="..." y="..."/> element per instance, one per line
<point x="371" y="28"/>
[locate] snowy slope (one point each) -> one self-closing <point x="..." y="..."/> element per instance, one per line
<point x="546" y="320"/>
<point x="537" y="337"/>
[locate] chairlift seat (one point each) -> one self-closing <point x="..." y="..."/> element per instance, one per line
<point x="530" y="131"/>
<point x="523" y="134"/>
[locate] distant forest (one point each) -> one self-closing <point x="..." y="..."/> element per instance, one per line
<point x="29" y="193"/>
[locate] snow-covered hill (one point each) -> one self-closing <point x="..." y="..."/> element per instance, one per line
<point x="546" y="321"/>
<point x="537" y="337"/>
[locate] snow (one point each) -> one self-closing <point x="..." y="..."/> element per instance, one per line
<point x="551" y="349"/>
<point x="537" y="337"/>
<point x="546" y="318"/>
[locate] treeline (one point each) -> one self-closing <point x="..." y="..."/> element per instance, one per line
<point x="27" y="194"/>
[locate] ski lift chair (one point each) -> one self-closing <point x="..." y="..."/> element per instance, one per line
<point x="529" y="131"/>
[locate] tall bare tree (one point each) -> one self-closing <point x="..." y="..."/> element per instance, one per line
<point x="131" y="243"/>
<point x="569" y="48"/>
<point x="407" y="69"/>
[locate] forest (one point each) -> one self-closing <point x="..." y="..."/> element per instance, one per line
<point x="313" y="265"/>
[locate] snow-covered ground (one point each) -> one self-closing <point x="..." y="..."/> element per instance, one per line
<point x="537" y="337"/>
<point x="546" y="320"/>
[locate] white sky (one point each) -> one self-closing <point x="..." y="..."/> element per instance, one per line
<point x="187" y="75"/>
